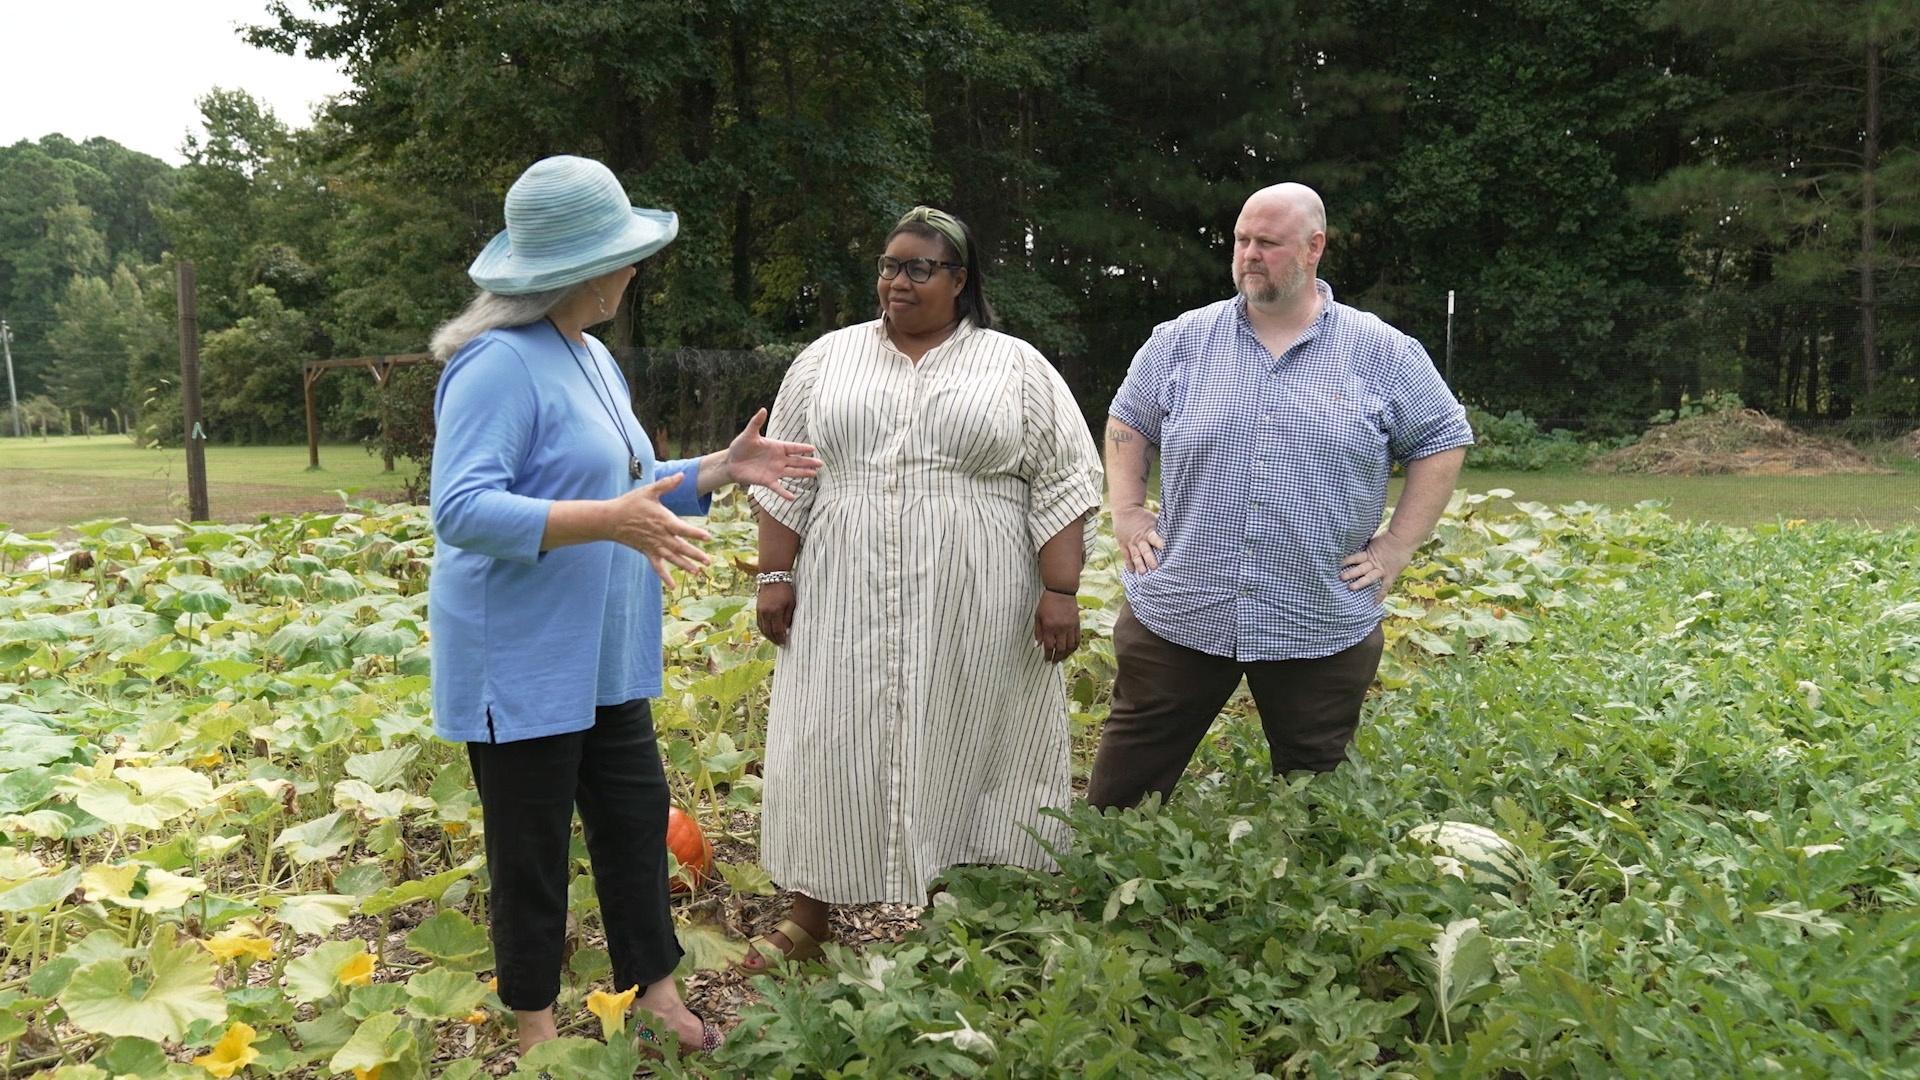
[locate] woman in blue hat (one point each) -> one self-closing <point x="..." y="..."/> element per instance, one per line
<point x="555" y="526"/>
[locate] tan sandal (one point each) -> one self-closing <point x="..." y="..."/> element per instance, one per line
<point x="802" y="947"/>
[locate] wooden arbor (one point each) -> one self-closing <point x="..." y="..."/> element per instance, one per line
<point x="379" y="366"/>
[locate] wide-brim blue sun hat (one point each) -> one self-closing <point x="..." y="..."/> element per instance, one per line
<point x="568" y="220"/>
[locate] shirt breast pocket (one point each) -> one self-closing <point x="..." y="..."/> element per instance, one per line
<point x="1349" y="421"/>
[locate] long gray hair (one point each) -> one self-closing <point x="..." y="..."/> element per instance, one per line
<point x="492" y="311"/>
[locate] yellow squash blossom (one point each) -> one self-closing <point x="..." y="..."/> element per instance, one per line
<point x="369" y="1074"/>
<point x="357" y="971"/>
<point x="611" y="1009"/>
<point x="236" y="945"/>
<point x="232" y="1053"/>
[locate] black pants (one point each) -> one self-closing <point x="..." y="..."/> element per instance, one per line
<point x="1165" y="697"/>
<point x="528" y="791"/>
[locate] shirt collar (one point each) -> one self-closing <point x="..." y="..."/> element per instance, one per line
<point x="1313" y="329"/>
<point x="960" y="333"/>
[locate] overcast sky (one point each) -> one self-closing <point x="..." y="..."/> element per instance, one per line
<point x="132" y="69"/>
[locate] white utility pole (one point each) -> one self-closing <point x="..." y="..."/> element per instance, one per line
<point x="13" y="399"/>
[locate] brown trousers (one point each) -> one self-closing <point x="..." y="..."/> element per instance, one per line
<point x="1166" y="696"/>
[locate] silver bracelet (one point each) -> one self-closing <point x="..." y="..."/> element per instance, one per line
<point x="774" y="577"/>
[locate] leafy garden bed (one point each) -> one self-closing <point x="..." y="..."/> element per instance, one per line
<point x="232" y="846"/>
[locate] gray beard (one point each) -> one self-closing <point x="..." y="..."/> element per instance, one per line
<point x="1274" y="289"/>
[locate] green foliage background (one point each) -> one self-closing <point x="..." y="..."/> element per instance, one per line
<point x="1633" y="200"/>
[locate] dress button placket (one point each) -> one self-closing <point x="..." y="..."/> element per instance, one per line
<point x="901" y="485"/>
<point x="892" y="622"/>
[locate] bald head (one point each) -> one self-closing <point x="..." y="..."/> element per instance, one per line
<point x="1277" y="244"/>
<point x="1294" y="201"/>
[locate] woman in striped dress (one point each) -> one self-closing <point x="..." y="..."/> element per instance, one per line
<point x="922" y="590"/>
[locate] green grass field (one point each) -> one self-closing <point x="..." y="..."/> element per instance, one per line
<point x="59" y="481"/>
<point x="1880" y="501"/>
<point x="345" y="465"/>
<point x="48" y="483"/>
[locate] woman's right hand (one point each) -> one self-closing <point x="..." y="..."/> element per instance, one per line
<point x="640" y="521"/>
<point x="773" y="610"/>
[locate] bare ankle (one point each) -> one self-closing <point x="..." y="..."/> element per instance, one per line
<point x="534" y="1027"/>
<point x="660" y="997"/>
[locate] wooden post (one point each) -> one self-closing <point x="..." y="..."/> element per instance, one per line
<point x="382" y="370"/>
<point x="190" y="394"/>
<point x="311" y="376"/>
<point x="13" y="398"/>
<point x="381" y="367"/>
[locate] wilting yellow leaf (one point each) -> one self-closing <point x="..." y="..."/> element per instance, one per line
<point x="232" y="1053"/>
<point x="611" y="1009"/>
<point x="357" y="971"/>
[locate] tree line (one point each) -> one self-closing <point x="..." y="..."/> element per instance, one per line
<point x="1631" y="200"/>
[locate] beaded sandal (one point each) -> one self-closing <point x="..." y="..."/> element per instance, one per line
<point x="710" y="1038"/>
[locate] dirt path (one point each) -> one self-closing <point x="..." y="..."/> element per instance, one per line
<point x="33" y="500"/>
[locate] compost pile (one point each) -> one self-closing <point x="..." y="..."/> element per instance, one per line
<point x="1735" y="442"/>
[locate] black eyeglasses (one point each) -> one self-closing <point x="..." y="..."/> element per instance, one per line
<point x="919" y="271"/>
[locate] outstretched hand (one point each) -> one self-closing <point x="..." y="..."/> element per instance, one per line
<point x="664" y="537"/>
<point x="752" y="458"/>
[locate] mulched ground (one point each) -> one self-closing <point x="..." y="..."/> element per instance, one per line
<point x="721" y="995"/>
<point x="1740" y="442"/>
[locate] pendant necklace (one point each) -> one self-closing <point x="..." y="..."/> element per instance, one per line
<point x="633" y="459"/>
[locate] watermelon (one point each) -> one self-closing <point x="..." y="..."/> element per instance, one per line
<point x="1474" y="852"/>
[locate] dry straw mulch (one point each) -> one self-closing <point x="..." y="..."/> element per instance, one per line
<point x="1740" y="442"/>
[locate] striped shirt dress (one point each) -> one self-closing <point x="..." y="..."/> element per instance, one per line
<point x="914" y="726"/>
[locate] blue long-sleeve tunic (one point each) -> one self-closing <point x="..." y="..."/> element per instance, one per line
<point x="527" y="642"/>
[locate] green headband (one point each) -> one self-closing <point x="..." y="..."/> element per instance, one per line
<point x="942" y="222"/>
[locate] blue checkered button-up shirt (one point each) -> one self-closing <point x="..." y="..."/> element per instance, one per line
<point x="1272" y="470"/>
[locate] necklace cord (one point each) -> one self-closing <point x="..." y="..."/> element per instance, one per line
<point x="633" y="459"/>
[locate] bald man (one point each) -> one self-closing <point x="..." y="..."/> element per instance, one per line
<point x="1277" y="416"/>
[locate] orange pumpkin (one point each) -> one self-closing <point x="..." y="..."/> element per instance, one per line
<point x="689" y="845"/>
